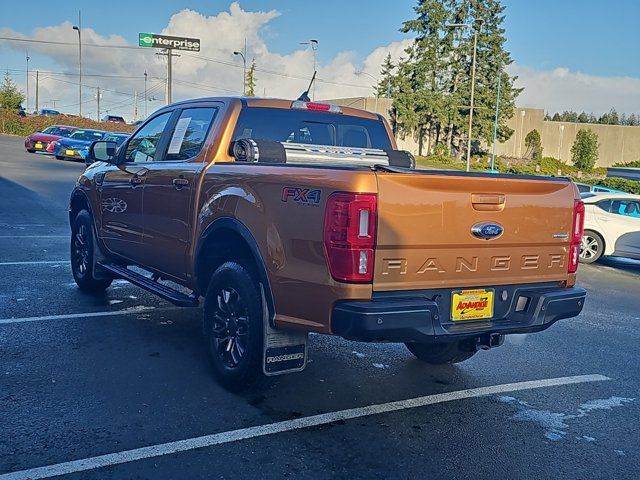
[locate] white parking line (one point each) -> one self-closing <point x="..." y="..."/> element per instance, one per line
<point x="39" y="262"/>
<point x="152" y="451"/>
<point x="126" y="311"/>
<point x="34" y="236"/>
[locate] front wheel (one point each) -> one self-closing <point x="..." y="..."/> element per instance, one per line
<point x="233" y="327"/>
<point x="591" y="247"/>
<point x="59" y="157"/>
<point x="441" y="353"/>
<point x="83" y="255"/>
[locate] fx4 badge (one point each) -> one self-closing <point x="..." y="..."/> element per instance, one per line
<point x="302" y="196"/>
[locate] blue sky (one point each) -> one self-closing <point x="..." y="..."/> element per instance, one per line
<point x="568" y="53"/>
<point x="590" y="36"/>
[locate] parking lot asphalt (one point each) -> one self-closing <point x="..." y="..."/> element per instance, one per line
<point x="87" y="382"/>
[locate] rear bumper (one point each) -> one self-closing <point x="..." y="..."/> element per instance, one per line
<point x="424" y="319"/>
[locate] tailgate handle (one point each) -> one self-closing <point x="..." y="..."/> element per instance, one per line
<point x="488" y="202"/>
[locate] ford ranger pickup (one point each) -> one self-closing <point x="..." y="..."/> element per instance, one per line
<point x="289" y="217"/>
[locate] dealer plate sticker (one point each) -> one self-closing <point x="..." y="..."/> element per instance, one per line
<point x="471" y="304"/>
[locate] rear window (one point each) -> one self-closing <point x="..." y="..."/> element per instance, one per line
<point x="310" y="127"/>
<point x="86" y="135"/>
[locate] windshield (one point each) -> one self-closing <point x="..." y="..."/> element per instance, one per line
<point x="112" y="137"/>
<point x="61" y="131"/>
<point x="314" y="128"/>
<point x="86" y="135"/>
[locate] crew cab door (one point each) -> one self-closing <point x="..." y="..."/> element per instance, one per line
<point x="121" y="189"/>
<point x="169" y="188"/>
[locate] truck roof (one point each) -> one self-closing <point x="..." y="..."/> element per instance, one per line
<point x="278" y="103"/>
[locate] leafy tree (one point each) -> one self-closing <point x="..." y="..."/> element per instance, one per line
<point x="534" y="145"/>
<point x="250" y="80"/>
<point x="632" y="120"/>
<point x="386" y="77"/>
<point x="583" y="117"/>
<point x="556" y="117"/>
<point x="10" y="96"/>
<point x="584" y="152"/>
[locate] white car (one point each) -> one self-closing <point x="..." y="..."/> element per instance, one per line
<point x="611" y="226"/>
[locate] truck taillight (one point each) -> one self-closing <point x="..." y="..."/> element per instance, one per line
<point x="577" y="230"/>
<point x="349" y="236"/>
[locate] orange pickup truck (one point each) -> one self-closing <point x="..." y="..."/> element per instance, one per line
<point x="289" y="217"/>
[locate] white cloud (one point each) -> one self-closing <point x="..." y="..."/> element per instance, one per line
<point x="561" y="89"/>
<point x="278" y="75"/>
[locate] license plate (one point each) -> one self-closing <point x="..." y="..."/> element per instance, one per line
<point x="38" y="145"/>
<point x="69" y="152"/>
<point x="471" y="304"/>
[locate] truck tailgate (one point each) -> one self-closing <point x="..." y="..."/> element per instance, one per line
<point x="425" y="239"/>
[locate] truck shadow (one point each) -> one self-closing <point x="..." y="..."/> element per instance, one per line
<point x="625" y="264"/>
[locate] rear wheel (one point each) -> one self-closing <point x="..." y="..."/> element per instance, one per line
<point x="83" y="255"/>
<point x="233" y="327"/>
<point x="591" y="247"/>
<point x="441" y="353"/>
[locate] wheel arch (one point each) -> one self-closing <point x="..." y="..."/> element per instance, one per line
<point x="602" y="236"/>
<point x="79" y="201"/>
<point x="230" y="239"/>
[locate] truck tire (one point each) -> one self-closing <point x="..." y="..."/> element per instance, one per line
<point x="234" y="327"/>
<point x="440" y="353"/>
<point x="82" y="255"/>
<point x="591" y="247"/>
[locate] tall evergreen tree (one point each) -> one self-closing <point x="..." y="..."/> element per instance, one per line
<point x="434" y="80"/>
<point x="10" y="96"/>
<point x="383" y="88"/>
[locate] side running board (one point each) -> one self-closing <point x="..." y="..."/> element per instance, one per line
<point x="157" y="288"/>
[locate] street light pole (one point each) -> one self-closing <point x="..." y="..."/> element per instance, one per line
<point x="361" y="72"/>
<point x="495" y="126"/>
<point x="78" y="29"/>
<point x="145" y="94"/>
<point x="244" y="72"/>
<point x="473" y="81"/>
<point x="27" y="99"/>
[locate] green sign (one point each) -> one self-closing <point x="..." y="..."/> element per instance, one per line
<point x="153" y="40"/>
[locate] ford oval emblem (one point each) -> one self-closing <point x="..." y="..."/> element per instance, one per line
<point x="487" y="230"/>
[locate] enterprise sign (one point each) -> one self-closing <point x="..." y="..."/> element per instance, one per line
<point x="153" y="40"/>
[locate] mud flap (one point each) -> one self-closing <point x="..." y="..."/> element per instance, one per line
<point x="283" y="351"/>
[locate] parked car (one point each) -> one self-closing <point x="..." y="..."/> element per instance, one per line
<point x="611" y="226"/>
<point x="137" y="123"/>
<point x="76" y="145"/>
<point x="117" y="137"/>
<point x="295" y="217"/>
<point x="47" y="112"/>
<point x="41" y="141"/>
<point x="113" y="119"/>
<point x="585" y="187"/>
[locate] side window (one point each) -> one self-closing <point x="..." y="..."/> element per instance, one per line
<point x="142" y="146"/>
<point x="626" y="208"/>
<point x="190" y="133"/>
<point x="354" y="136"/>
<point x="604" y="205"/>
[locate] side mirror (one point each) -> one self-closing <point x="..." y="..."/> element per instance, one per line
<point x="102" y="151"/>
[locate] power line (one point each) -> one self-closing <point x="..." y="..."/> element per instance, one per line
<point x="199" y="57"/>
<point x="52" y="42"/>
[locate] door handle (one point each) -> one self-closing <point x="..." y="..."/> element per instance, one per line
<point x="135" y="180"/>
<point x="180" y="182"/>
<point x="604" y="219"/>
<point x="488" y="202"/>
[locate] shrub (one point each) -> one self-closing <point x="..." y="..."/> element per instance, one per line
<point x="13" y="124"/>
<point x="629" y="186"/>
<point x="634" y="164"/>
<point x="534" y="145"/>
<point x="584" y="152"/>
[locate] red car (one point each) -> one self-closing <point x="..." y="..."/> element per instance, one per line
<point x="41" y="141"/>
